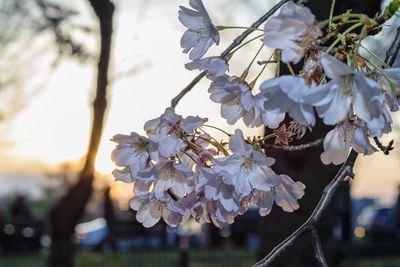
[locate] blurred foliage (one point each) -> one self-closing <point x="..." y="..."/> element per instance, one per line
<point x="32" y="30"/>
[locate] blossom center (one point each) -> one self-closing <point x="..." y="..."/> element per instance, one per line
<point x="348" y="84"/>
<point x="203" y="32"/>
<point x="141" y="145"/>
<point x="168" y="172"/>
<point x="247" y="165"/>
<point x="346" y="134"/>
<point x="159" y="205"/>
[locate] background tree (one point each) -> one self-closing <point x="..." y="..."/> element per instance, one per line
<point x="67" y="212"/>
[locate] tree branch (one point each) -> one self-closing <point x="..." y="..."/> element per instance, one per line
<point x="238" y="40"/>
<point x="319" y="253"/>
<point x="385" y="149"/>
<point x="329" y="190"/>
<point x="301" y="147"/>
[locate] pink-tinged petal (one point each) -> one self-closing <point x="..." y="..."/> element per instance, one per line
<point x="161" y="186"/>
<point x="232" y="111"/>
<point x="189" y="18"/>
<point x="265" y="200"/>
<point x="335" y="149"/>
<point x="123" y="175"/>
<point x="147" y="216"/>
<point x="361" y="143"/>
<point x="200" y="48"/>
<point x="171" y="218"/>
<point x="237" y="143"/>
<point x="336" y="110"/>
<point x="367" y="98"/>
<point x="334" y="68"/>
<point x="188" y="40"/>
<point x="246" y="100"/>
<point x="137" y="203"/>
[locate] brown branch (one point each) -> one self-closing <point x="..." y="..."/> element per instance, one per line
<point x="301" y="147"/>
<point x="385" y="149"/>
<point x="391" y="54"/>
<point x="329" y="190"/>
<point x="238" y="40"/>
<point x="319" y="253"/>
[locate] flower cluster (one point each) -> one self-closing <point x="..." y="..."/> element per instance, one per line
<point x="179" y="170"/>
<point x="356" y="98"/>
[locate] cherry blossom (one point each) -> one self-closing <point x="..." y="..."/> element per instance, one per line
<point x="169" y="176"/>
<point x="132" y="152"/>
<point x="168" y="129"/>
<point x="214" y="66"/>
<point x="201" y="32"/>
<point x="285" y="95"/>
<point x="348" y="91"/>
<point x="337" y="142"/>
<point x="285" y="194"/>
<point x="249" y="169"/>
<point x="236" y="100"/>
<point x="292" y="31"/>
<point x="151" y="209"/>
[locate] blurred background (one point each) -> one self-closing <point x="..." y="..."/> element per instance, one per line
<point x="59" y="204"/>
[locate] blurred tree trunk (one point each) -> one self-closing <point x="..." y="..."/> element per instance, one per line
<point x="67" y="212"/>
<point x="306" y="167"/>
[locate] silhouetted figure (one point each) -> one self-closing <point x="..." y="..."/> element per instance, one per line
<point x="2" y="215"/>
<point x="20" y="211"/>
<point x="109" y="215"/>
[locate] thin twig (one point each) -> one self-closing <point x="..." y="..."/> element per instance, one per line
<point x="238" y="40"/>
<point x="329" y="190"/>
<point x="319" y="253"/>
<point x="265" y="62"/>
<point x="301" y="147"/>
<point x="385" y="149"/>
<point x="391" y="54"/>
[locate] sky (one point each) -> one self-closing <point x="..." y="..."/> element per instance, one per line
<point x="54" y="125"/>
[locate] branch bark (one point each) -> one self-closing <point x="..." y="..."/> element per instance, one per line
<point x="319" y="253"/>
<point x="329" y="190"/>
<point x="301" y="147"/>
<point x="238" y="40"/>
<point x="345" y="171"/>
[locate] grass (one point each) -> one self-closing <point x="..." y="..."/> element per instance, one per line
<point x="378" y="262"/>
<point x="170" y="258"/>
<point x="199" y="258"/>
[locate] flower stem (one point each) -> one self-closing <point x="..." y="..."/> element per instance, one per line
<point x="262" y="70"/>
<point x="246" y="71"/>
<point x="290" y="69"/>
<point x="350" y="29"/>
<point x="323" y="23"/>
<point x="246" y="43"/>
<point x="216" y="128"/>
<point x="214" y="142"/>
<point x="331" y="12"/>
<point x="221" y="28"/>
<point x="375" y="56"/>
